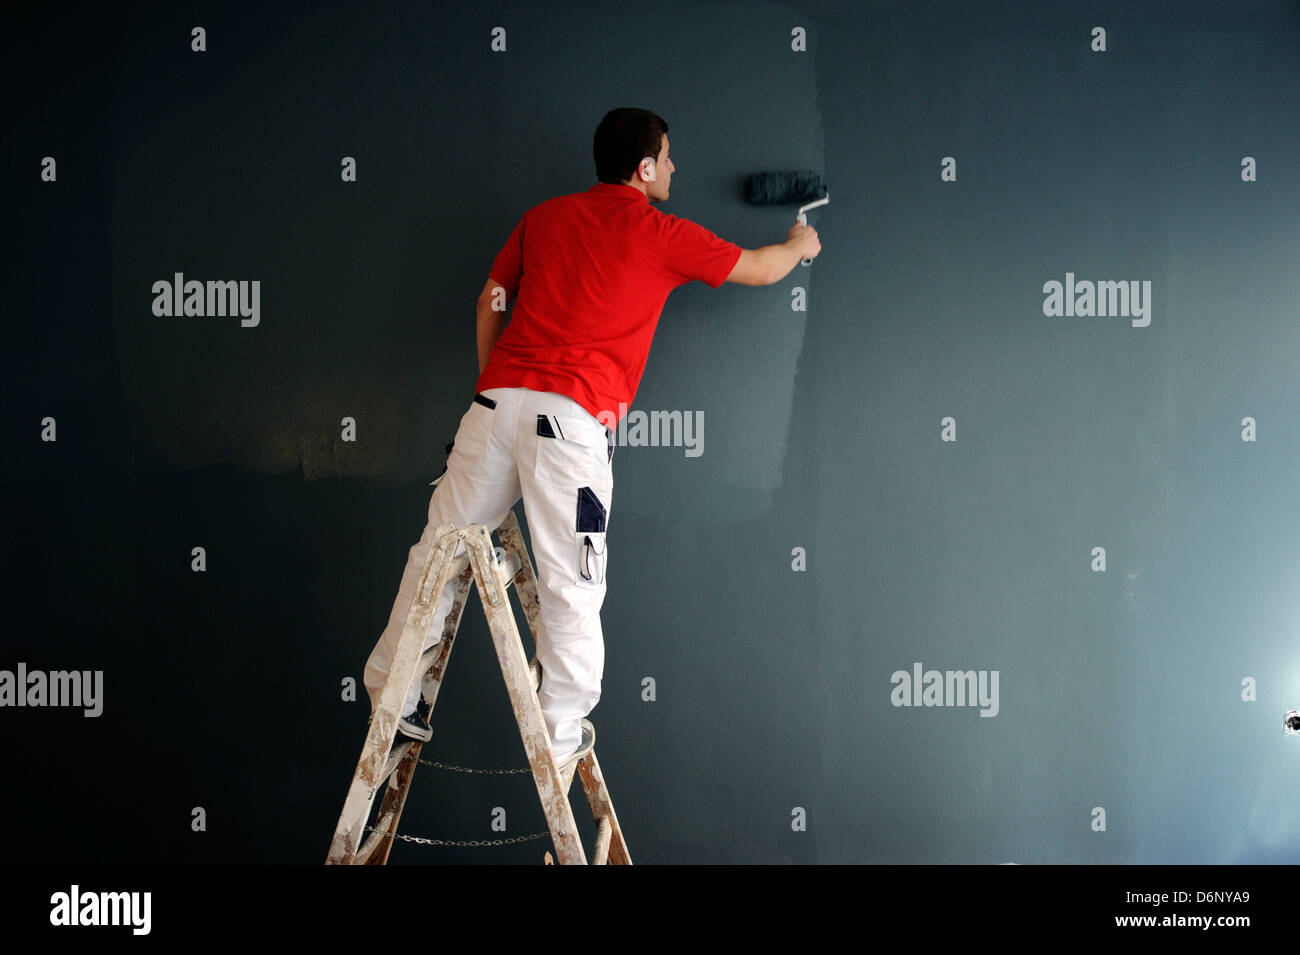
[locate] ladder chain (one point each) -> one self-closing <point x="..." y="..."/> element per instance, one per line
<point x="466" y="769"/>
<point x="470" y="842"/>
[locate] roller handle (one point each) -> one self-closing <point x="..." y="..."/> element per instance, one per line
<point x="803" y="216"/>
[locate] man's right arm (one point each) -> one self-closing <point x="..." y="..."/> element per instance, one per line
<point x="771" y="263"/>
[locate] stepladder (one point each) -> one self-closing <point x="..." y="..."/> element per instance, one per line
<point x="389" y="758"/>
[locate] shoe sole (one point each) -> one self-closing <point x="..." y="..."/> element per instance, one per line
<point x="403" y="729"/>
<point x="415" y="732"/>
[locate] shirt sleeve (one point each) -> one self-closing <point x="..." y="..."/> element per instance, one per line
<point x="693" y="252"/>
<point x="508" y="267"/>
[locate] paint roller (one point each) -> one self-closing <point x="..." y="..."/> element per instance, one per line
<point x="783" y="188"/>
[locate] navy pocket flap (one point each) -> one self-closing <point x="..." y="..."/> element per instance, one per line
<point x="591" y="513"/>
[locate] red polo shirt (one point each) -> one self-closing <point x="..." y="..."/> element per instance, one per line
<point x="592" y="270"/>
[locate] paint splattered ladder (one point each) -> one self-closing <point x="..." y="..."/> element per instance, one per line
<point x="382" y="763"/>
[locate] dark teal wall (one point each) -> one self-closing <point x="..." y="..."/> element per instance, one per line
<point x="822" y="429"/>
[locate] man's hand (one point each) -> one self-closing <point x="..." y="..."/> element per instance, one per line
<point x="804" y="240"/>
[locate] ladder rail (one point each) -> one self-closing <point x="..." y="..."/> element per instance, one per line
<point x="433" y="663"/>
<point x="390" y="810"/>
<point x="602" y="807"/>
<point x="523" y="698"/>
<point x="440" y="565"/>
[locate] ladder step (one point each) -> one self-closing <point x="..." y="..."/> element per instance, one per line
<point x="375" y="839"/>
<point x="394" y="760"/>
<point x="508" y="569"/>
<point x="600" y="856"/>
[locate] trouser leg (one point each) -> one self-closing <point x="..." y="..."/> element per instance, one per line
<point x="565" y="471"/>
<point x="480" y="486"/>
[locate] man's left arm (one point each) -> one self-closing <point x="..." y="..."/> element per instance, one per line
<point x="492" y="302"/>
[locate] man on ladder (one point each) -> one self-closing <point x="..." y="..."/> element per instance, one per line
<point x="591" y="271"/>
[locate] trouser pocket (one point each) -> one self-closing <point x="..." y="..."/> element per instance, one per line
<point x="571" y="449"/>
<point x="590" y="547"/>
<point x="475" y="427"/>
<point x="590" y="557"/>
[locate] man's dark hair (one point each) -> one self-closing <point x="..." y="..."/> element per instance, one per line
<point x="624" y="137"/>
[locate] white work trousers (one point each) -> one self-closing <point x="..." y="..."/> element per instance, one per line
<point x="550" y="448"/>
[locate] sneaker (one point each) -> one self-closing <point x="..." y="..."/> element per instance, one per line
<point x="585" y="745"/>
<point x="415" y="724"/>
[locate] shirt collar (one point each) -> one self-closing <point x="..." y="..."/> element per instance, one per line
<point x="619" y="189"/>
